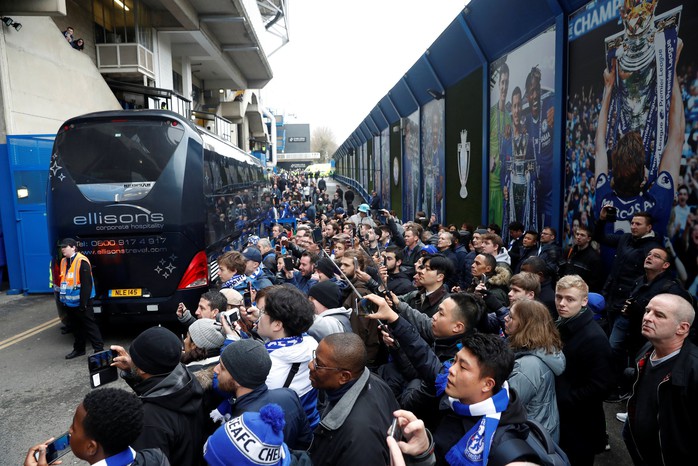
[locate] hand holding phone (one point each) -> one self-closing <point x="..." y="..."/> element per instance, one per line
<point x="288" y="264"/>
<point x="55" y="448"/>
<point x="395" y="431"/>
<point x="101" y="369"/>
<point x="181" y="308"/>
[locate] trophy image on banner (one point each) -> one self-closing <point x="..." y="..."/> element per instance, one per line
<point x="645" y="53"/>
<point x="463" y="162"/>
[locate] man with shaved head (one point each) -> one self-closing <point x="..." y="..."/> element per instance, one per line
<point x="661" y="427"/>
<point x="352" y="430"/>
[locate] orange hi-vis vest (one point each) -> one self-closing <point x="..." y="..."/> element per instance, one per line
<point x="70" y="281"/>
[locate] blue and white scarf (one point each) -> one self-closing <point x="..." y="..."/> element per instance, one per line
<point x="283" y="343"/>
<point x="123" y="458"/>
<point x="474" y="447"/>
<point x="235" y="282"/>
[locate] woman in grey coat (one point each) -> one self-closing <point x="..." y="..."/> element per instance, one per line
<point x="539" y="359"/>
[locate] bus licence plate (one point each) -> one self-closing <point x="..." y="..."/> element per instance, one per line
<point x="125" y="293"/>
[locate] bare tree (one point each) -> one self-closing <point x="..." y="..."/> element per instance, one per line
<point x="322" y="141"/>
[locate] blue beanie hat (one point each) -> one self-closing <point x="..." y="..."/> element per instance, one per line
<point x="596" y="303"/>
<point x="250" y="439"/>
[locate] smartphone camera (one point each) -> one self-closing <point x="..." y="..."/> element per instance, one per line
<point x="395" y="431"/>
<point x="56" y="449"/>
<point x="367" y="306"/>
<point x="100" y="360"/>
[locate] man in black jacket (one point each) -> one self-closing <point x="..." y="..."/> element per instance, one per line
<point x="398" y="281"/>
<point x="586" y="381"/>
<point x="631" y="251"/>
<point x="661" y="427"/>
<point x="529" y="248"/>
<point x="360" y="405"/>
<point x="432" y="275"/>
<point x="171" y="395"/>
<point x="626" y="338"/>
<point x="583" y="260"/>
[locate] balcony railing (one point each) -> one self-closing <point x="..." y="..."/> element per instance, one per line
<point x="213" y="123"/>
<point x="125" y="58"/>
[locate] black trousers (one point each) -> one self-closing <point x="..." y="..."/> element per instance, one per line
<point x="84" y="326"/>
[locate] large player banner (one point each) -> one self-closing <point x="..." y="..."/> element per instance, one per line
<point x="632" y="124"/>
<point x="385" y="168"/>
<point x="626" y="130"/>
<point x="433" y="154"/>
<point x="410" y="166"/>
<point x="521" y="134"/>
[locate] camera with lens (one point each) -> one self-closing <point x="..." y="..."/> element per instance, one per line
<point x="231" y="316"/>
<point x="611" y="214"/>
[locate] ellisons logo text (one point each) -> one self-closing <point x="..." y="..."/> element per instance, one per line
<point x="112" y="222"/>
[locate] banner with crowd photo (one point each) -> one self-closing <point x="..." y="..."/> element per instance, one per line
<point x="410" y="167"/>
<point x="632" y="131"/>
<point x="384" y="181"/>
<point x="522" y="115"/>
<point x="433" y="155"/>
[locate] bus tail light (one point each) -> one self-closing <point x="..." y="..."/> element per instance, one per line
<point x="196" y="274"/>
<point x="55" y="270"/>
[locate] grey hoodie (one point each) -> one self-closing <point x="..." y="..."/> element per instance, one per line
<point x="533" y="378"/>
<point x="330" y="321"/>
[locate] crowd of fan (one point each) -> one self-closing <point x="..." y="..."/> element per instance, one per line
<point x="319" y="337"/>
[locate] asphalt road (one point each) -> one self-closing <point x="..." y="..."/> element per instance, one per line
<point x="39" y="388"/>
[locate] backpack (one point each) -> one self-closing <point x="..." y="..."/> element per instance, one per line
<point x="538" y="446"/>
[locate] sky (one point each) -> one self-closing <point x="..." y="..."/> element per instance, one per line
<point x="344" y="56"/>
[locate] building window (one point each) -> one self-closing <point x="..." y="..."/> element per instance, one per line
<point x="177" y="82"/>
<point x="122" y="21"/>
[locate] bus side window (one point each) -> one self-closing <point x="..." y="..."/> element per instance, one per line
<point x="208" y="176"/>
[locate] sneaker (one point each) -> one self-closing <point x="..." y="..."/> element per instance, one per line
<point x="622" y="417"/>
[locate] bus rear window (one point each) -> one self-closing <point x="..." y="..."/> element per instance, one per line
<point x="108" y="152"/>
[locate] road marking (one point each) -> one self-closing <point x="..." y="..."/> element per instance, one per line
<point x="28" y="333"/>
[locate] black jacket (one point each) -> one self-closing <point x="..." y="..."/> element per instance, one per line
<point x="172" y="415"/>
<point x="677" y="398"/>
<point x="640" y="296"/>
<point x="150" y="457"/>
<point x="400" y="283"/>
<point x="550" y="253"/>
<point x="585" y="263"/>
<point x="352" y="431"/>
<point x="428" y="304"/>
<point x="269" y="263"/>
<point x="523" y="255"/>
<point x="627" y="264"/>
<point x="297" y="433"/>
<point x="585" y="383"/>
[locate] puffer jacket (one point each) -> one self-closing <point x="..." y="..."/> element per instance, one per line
<point x="329" y="322"/>
<point x="533" y="378"/>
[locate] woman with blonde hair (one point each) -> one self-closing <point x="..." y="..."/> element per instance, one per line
<point x="538" y="351"/>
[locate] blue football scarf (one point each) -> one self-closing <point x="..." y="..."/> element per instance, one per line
<point x="235" y="282"/>
<point x="123" y="458"/>
<point x="474" y="447"/>
<point x="283" y="343"/>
